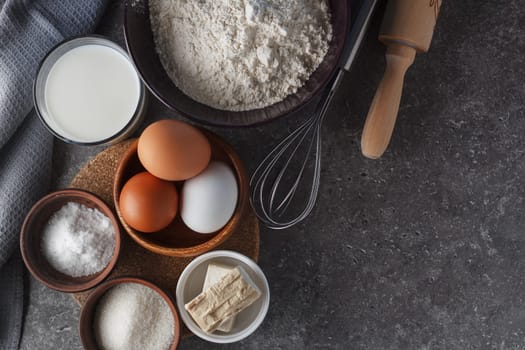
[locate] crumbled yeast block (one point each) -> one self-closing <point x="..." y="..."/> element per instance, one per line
<point x="214" y="273"/>
<point x="231" y="294"/>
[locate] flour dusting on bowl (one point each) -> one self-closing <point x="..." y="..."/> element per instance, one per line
<point x="240" y="55"/>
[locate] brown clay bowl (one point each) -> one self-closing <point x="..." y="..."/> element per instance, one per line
<point x="87" y="313"/>
<point x="140" y="45"/>
<point x="31" y="233"/>
<point x="177" y="239"/>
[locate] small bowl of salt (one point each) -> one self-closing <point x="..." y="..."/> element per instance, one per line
<point x="70" y="240"/>
<point x="129" y="313"/>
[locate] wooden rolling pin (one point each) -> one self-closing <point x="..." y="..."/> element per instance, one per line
<point x="406" y="29"/>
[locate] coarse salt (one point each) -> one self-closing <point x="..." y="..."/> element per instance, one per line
<point x="131" y="316"/>
<point x="78" y="240"/>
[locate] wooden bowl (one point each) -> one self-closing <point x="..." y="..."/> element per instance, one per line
<point x="140" y="45"/>
<point x="178" y="239"/>
<point x="31" y="234"/>
<point x="87" y="313"/>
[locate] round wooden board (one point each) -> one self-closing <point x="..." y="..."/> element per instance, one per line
<point x="97" y="177"/>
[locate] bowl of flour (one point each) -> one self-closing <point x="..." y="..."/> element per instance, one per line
<point x="236" y="63"/>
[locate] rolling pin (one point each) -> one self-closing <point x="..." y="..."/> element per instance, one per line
<point x="407" y="28"/>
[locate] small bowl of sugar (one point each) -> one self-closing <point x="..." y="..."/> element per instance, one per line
<point x="129" y="313"/>
<point x="70" y="240"/>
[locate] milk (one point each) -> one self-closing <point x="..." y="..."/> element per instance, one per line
<point x="91" y="93"/>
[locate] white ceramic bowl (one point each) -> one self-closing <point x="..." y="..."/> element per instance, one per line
<point x="190" y="285"/>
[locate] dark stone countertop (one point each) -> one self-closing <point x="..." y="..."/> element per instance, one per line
<point x="422" y="249"/>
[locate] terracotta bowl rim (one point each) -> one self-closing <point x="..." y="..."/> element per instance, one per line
<point x="221" y="236"/>
<point x="25" y="231"/>
<point x="99" y="291"/>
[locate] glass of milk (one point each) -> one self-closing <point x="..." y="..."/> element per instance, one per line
<point x="87" y="91"/>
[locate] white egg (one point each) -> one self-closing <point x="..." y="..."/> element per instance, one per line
<point x="209" y="199"/>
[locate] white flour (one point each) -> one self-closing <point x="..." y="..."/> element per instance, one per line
<point x="240" y="54"/>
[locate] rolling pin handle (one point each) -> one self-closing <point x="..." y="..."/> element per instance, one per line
<point x="383" y="111"/>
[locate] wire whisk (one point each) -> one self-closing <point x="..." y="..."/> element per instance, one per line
<point x="269" y="204"/>
<point x="269" y="200"/>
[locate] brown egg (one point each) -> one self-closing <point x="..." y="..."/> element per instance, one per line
<point x="173" y="150"/>
<point x="148" y="204"/>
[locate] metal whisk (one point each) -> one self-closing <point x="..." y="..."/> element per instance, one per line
<point x="270" y="201"/>
<point x="271" y="210"/>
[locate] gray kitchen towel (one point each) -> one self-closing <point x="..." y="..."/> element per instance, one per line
<point x="11" y="309"/>
<point x="28" y="30"/>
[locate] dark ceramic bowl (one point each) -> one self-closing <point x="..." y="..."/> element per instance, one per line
<point x="87" y="313"/>
<point x="178" y="239"/>
<point x="31" y="234"/>
<point x="140" y="44"/>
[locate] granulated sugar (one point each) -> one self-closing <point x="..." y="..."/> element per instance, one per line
<point x="131" y="316"/>
<point x="240" y="54"/>
<point x="78" y="240"/>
